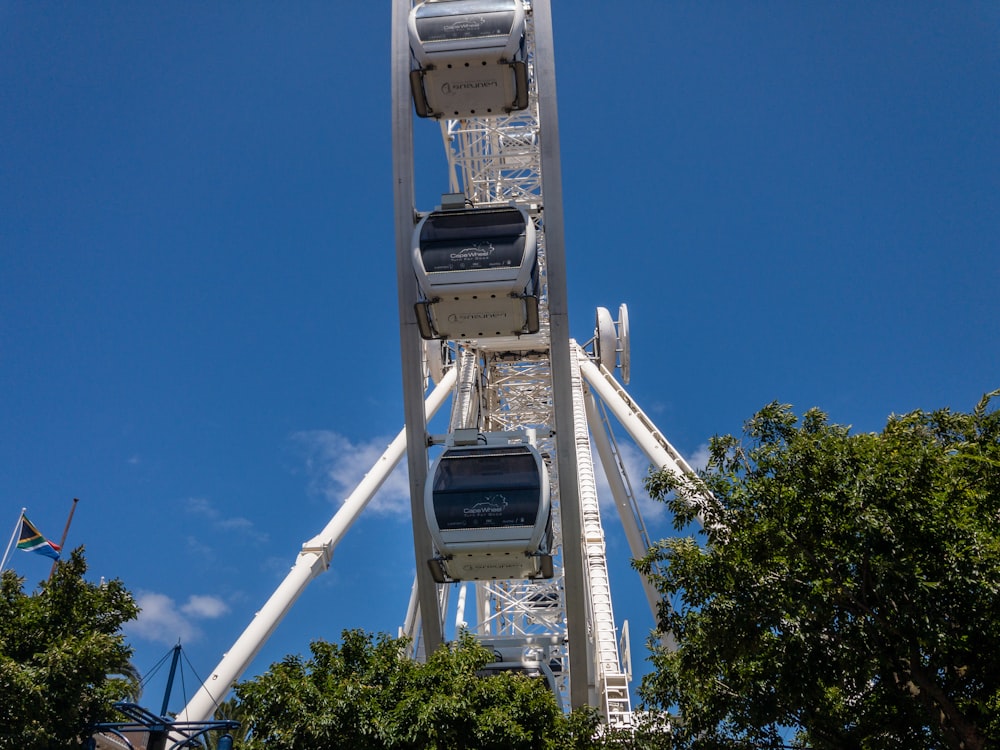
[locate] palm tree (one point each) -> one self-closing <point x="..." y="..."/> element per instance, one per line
<point x="230" y="710"/>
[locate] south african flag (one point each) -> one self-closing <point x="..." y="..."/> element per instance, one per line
<point x="31" y="540"/>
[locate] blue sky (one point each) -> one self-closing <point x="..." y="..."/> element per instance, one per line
<point x="198" y="324"/>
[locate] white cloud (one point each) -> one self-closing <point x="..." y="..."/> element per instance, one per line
<point x="163" y="621"/>
<point x="200" y="506"/>
<point x="335" y="466"/>
<point x="204" y="508"/>
<point x="699" y="459"/>
<point x="204" y="607"/>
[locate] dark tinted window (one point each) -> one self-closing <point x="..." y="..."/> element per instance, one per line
<point x="458" y="7"/>
<point x="487" y="470"/>
<point x="495" y="488"/>
<point x="498" y="252"/>
<point x="472" y="240"/>
<point x="481" y="509"/>
<point x="484" y="222"/>
<point x="464" y="19"/>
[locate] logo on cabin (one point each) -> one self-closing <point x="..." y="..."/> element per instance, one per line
<point x="491" y="506"/>
<point x="481" y="316"/>
<point x="478" y="252"/>
<point x="460" y="87"/>
<point x="466" y="24"/>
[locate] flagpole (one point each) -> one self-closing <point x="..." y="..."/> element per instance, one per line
<point x="65" y="533"/>
<point x="12" y="538"/>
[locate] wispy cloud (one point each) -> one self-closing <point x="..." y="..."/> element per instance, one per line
<point x="335" y="465"/>
<point x="205" y="509"/>
<point x="699" y="459"/>
<point x="162" y="620"/>
<point x="204" y="607"/>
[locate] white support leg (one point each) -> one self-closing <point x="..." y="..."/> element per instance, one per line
<point x="652" y="442"/>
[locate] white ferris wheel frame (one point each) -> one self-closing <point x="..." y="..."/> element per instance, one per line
<point x="545" y="382"/>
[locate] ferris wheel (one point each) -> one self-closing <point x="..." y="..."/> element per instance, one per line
<point x="508" y="536"/>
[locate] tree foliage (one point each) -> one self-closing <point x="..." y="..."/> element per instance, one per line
<point x="365" y="694"/>
<point x="63" y="661"/>
<point x="229" y="710"/>
<point x="846" y="585"/>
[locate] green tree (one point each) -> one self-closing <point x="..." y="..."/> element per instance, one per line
<point x="846" y="585"/>
<point x="365" y="694"/>
<point x="63" y="661"/>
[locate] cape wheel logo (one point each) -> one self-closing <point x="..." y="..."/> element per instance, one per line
<point x="478" y="252"/>
<point x="491" y="506"/>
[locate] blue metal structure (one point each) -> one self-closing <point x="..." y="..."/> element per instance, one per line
<point x="162" y="732"/>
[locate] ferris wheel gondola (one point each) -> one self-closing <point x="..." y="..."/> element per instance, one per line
<point x="469" y="58"/>
<point x="488" y="509"/>
<point x="477" y="270"/>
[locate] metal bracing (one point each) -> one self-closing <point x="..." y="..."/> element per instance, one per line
<point x="466" y="403"/>
<point x="518" y="393"/>
<point x="496" y="160"/>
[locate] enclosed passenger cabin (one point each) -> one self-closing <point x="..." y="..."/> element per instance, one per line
<point x="477" y="269"/>
<point x="468" y="58"/>
<point x="488" y="509"/>
<point x="532" y="655"/>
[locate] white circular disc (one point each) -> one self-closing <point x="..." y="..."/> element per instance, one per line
<point x="624" y="346"/>
<point x="607" y="339"/>
<point x="434" y="359"/>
